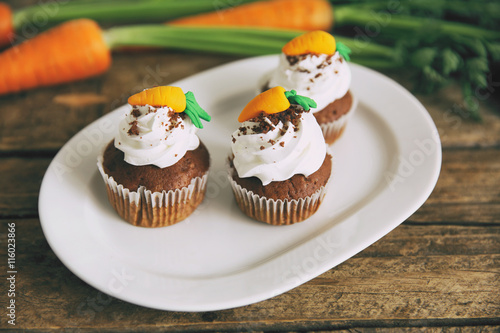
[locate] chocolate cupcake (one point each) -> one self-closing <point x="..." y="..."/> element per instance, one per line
<point x="156" y="168"/>
<point x="279" y="167"/>
<point x="315" y="66"/>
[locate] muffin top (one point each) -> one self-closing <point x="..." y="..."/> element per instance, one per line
<point x="278" y="138"/>
<point x="314" y="65"/>
<point x="160" y="127"/>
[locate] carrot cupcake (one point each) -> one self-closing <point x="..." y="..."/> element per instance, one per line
<point x="279" y="166"/>
<point x="156" y="168"/>
<point x="315" y="66"/>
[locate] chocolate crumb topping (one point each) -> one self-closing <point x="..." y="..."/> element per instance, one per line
<point x="292" y="60"/>
<point x="282" y="143"/>
<point x="262" y="147"/>
<point x="267" y="122"/>
<point x="328" y="61"/>
<point x="136" y="112"/>
<point x="134" y="129"/>
<point x="175" y="120"/>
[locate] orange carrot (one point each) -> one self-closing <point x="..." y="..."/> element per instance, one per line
<point x="6" y="25"/>
<point x="317" y="42"/>
<point x="270" y="101"/>
<point x="68" y="52"/>
<point x="292" y="14"/>
<point x="172" y="97"/>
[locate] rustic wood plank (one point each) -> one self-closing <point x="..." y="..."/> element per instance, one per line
<point x="32" y="121"/>
<point x="467" y="190"/>
<point x="416" y="276"/>
<point x="457" y="214"/>
<point x="20" y="185"/>
<point x="431" y="326"/>
<point x="468" y="176"/>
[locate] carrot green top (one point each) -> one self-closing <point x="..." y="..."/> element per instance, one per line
<point x="274" y="100"/>
<point x="174" y="98"/>
<point x="315" y="42"/>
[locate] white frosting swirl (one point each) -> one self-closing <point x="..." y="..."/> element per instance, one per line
<point x="282" y="152"/>
<point x="156" y="138"/>
<point x="320" y="77"/>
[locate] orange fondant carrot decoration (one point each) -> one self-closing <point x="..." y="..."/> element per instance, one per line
<point x="291" y="14"/>
<point x="311" y="42"/>
<point x="172" y="97"/>
<point x="6" y="25"/>
<point x="70" y="51"/>
<point x="269" y="101"/>
<point x="274" y="100"/>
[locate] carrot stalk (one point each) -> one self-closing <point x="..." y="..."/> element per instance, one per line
<point x="235" y="40"/>
<point x="403" y="24"/>
<point x="290" y="14"/>
<point x="71" y="51"/>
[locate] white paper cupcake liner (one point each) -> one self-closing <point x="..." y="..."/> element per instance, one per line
<point x="153" y="209"/>
<point x="276" y="212"/>
<point x="333" y="130"/>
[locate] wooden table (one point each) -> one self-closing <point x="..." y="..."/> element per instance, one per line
<point x="439" y="270"/>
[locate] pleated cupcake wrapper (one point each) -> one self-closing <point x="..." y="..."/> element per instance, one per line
<point x="153" y="209"/>
<point x="276" y="212"/>
<point x="334" y="129"/>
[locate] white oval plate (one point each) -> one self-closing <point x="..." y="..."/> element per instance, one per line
<point x="385" y="166"/>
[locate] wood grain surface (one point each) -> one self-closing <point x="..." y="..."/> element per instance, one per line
<point x="438" y="271"/>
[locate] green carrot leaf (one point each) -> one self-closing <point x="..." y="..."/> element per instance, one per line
<point x="478" y="64"/>
<point x="451" y="61"/>
<point x="423" y="57"/>
<point x="493" y="50"/>
<point x="471" y="106"/>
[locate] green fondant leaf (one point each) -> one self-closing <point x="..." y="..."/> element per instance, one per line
<point x="303" y="101"/>
<point x="194" y="110"/>
<point x="343" y="50"/>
